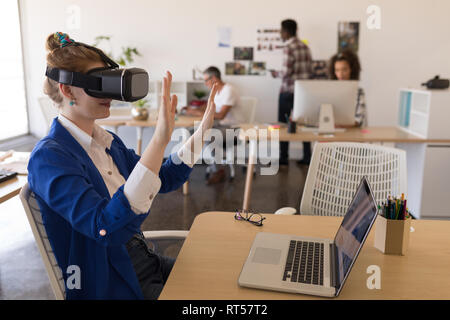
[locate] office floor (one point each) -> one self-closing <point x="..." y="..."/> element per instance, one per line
<point x="22" y="273"/>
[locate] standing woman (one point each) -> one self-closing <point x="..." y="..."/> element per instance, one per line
<point x="94" y="193"/>
<point x="345" y="66"/>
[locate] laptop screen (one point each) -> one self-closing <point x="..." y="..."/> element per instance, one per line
<point x="353" y="231"/>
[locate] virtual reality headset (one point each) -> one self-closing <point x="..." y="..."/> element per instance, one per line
<point x="128" y="84"/>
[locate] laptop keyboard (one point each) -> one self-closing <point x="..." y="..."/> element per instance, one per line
<point x="304" y="263"/>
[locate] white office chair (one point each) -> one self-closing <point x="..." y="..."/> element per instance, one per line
<point x="49" y="110"/>
<point x="158" y="239"/>
<point x="336" y="170"/>
<point x="243" y="113"/>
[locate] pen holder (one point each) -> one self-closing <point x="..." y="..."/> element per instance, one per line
<point x="292" y="127"/>
<point x="392" y="236"/>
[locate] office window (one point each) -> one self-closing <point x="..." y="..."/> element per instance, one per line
<point x="13" y="112"/>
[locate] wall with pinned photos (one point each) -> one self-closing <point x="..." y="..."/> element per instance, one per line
<point x="409" y="47"/>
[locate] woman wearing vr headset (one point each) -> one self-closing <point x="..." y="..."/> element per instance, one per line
<point x="93" y="192"/>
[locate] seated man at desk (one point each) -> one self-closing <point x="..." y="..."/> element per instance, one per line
<point x="225" y="99"/>
<point x="345" y="66"/>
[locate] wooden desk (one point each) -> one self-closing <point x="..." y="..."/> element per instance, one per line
<point x="180" y="122"/>
<point x="252" y="133"/>
<point x="366" y="135"/>
<point x="211" y="259"/>
<point x="11" y="188"/>
<point x="17" y="162"/>
<point x="111" y="122"/>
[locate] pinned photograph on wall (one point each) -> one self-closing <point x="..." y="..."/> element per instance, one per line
<point x="257" y="68"/>
<point x="243" y="53"/>
<point x="224" y="37"/>
<point x="348" y="36"/>
<point x="319" y="69"/>
<point x="268" y="39"/>
<point x="236" y="68"/>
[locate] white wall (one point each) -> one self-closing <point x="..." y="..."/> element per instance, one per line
<point x="411" y="46"/>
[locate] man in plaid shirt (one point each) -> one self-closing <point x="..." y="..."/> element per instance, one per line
<point x="296" y="65"/>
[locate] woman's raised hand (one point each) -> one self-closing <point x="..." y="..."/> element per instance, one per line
<point x="193" y="146"/>
<point x="208" y="116"/>
<point x="167" y="111"/>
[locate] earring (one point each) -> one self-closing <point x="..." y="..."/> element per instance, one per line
<point x="71" y="103"/>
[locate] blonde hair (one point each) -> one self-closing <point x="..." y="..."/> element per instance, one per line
<point x="71" y="57"/>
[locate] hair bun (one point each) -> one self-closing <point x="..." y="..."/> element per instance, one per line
<point x="52" y="43"/>
<point x="57" y="40"/>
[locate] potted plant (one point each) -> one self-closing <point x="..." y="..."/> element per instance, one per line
<point x="126" y="56"/>
<point x="140" y="110"/>
<point x="199" y="94"/>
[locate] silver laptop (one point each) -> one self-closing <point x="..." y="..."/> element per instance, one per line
<point x="311" y="265"/>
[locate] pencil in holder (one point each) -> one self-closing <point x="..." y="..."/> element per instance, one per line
<point x="392" y="227"/>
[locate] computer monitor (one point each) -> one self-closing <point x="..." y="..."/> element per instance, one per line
<point x="310" y="96"/>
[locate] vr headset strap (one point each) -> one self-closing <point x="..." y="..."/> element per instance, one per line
<point x="76" y="79"/>
<point x="104" y="57"/>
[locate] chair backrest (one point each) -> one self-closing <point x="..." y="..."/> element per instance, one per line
<point x="336" y="170"/>
<point x="49" y="110"/>
<point x="35" y="219"/>
<point x="245" y="111"/>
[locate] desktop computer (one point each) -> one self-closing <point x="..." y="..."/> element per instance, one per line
<point x="322" y="104"/>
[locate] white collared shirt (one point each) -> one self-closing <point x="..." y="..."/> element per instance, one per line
<point x="227" y="97"/>
<point x="142" y="185"/>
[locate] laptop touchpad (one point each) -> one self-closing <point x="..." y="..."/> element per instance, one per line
<point x="266" y="255"/>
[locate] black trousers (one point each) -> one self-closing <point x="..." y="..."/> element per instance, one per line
<point x="152" y="270"/>
<point x="285" y="106"/>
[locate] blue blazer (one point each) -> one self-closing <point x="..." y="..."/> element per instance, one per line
<point x="76" y="205"/>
